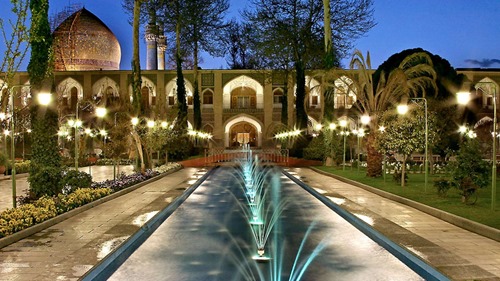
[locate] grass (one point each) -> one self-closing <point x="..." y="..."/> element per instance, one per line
<point x="415" y="190"/>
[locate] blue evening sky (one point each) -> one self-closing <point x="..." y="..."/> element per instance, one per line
<point x="465" y="32"/>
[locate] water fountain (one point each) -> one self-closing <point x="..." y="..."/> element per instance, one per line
<point x="210" y="236"/>
<point x="264" y="206"/>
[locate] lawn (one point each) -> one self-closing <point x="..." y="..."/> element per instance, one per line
<point x="415" y="190"/>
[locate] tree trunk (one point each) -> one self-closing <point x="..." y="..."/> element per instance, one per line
<point x="196" y="94"/>
<point x="139" y="150"/>
<point x="403" y="171"/>
<point x="374" y="159"/>
<point x="136" y="63"/>
<point x="301" y="115"/>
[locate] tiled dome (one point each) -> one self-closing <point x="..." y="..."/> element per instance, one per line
<point x="84" y="42"/>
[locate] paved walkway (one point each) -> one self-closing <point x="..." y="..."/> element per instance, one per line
<point x="69" y="249"/>
<point x="460" y="254"/>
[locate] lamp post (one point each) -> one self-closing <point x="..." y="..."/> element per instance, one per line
<point x="101" y="113"/>
<point x="365" y="119"/>
<point x="402" y="109"/>
<point x="12" y="143"/>
<point x="343" y="124"/>
<point x="494" y="156"/>
<point x="381" y="129"/>
<point x="77" y="123"/>
<point x="332" y="127"/>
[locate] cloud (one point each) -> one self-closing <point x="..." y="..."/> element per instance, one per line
<point x="484" y="62"/>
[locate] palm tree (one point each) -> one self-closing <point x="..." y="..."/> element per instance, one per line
<point x="414" y="75"/>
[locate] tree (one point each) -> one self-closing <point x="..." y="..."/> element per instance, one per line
<point x="469" y="172"/>
<point x="405" y="134"/>
<point x="411" y="78"/>
<point x="136" y="80"/>
<point x="443" y="103"/>
<point x="45" y="166"/>
<point x="204" y="22"/>
<point x="237" y="40"/>
<point x="15" y="37"/>
<point x="295" y="28"/>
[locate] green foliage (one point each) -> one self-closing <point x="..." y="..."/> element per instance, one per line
<point x="45" y="181"/>
<point x="4" y="161"/>
<point x="406" y="134"/>
<point x="179" y="147"/>
<point x="73" y="180"/>
<point x="333" y="144"/>
<point x="403" y="134"/>
<point x="39" y="67"/>
<point x="442" y="186"/>
<point x="45" y="155"/>
<point x="398" y="175"/>
<point x="316" y="149"/>
<point x="469" y="172"/>
<point x="118" y="144"/>
<point x="22" y="166"/>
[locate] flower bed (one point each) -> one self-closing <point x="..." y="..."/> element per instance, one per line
<point x="26" y="215"/>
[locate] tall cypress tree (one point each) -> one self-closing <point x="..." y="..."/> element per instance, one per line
<point x="45" y="167"/>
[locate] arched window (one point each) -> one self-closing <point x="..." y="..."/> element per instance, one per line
<point x="277" y="96"/>
<point x="208" y="97"/>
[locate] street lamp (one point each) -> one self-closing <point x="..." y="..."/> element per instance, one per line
<point x="332" y="128"/>
<point x="402" y="109"/>
<point x="381" y="129"/>
<point x="492" y="88"/>
<point x="77" y="123"/>
<point x="343" y="124"/>
<point x="44" y="99"/>
<point x="365" y="119"/>
<point x="12" y="143"/>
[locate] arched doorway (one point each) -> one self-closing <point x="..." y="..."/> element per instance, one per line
<point x="242" y="133"/>
<point x="243" y="129"/>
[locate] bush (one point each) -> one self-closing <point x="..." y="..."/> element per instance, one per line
<point x="45" y="181"/>
<point x="22" y="166"/>
<point x="397" y="177"/>
<point x="315" y="150"/>
<point x="442" y="185"/>
<point x="73" y="180"/>
<point x="469" y="172"/>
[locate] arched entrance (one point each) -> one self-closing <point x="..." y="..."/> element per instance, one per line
<point x="243" y="130"/>
<point x="242" y="133"/>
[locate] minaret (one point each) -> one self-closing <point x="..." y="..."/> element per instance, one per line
<point x="161" y="42"/>
<point x="151" y="48"/>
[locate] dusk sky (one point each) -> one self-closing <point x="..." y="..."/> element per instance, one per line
<point x="465" y="32"/>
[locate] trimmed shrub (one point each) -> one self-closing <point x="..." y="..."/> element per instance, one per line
<point x="73" y="180"/>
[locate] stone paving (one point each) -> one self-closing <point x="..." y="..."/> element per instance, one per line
<point x="69" y="249"/>
<point x="458" y="253"/>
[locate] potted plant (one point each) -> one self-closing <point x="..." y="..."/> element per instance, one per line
<point x="4" y="161"/>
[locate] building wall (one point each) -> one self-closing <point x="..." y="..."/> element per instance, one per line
<point x="264" y="113"/>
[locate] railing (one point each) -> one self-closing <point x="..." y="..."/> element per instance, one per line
<point x="220" y="155"/>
